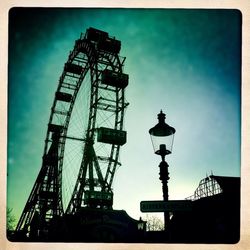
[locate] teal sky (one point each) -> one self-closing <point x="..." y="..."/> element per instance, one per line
<point x="185" y="62"/>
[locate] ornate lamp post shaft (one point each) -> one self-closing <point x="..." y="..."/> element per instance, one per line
<point x="164" y="177"/>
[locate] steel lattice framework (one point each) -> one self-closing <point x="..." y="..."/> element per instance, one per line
<point x="92" y="79"/>
<point x="207" y="187"/>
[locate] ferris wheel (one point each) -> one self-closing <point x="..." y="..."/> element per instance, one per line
<point x="85" y="132"/>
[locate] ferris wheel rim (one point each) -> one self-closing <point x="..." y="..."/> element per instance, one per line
<point x="68" y="118"/>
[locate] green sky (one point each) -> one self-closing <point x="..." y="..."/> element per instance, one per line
<point x="185" y="62"/>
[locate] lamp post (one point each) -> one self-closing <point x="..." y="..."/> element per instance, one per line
<point x="162" y="136"/>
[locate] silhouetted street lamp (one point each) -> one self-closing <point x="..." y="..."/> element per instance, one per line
<point x="141" y="224"/>
<point x="162" y="136"/>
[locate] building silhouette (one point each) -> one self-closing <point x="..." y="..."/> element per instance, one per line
<point x="214" y="218"/>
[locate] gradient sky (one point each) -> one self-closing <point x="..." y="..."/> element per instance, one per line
<point x="185" y="62"/>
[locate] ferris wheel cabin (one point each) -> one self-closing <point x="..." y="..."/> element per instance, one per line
<point x="114" y="79"/>
<point x="103" y="41"/>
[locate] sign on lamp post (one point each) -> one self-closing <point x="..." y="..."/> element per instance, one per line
<point x="166" y="206"/>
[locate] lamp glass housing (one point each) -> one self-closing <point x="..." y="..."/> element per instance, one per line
<point x="162" y="136"/>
